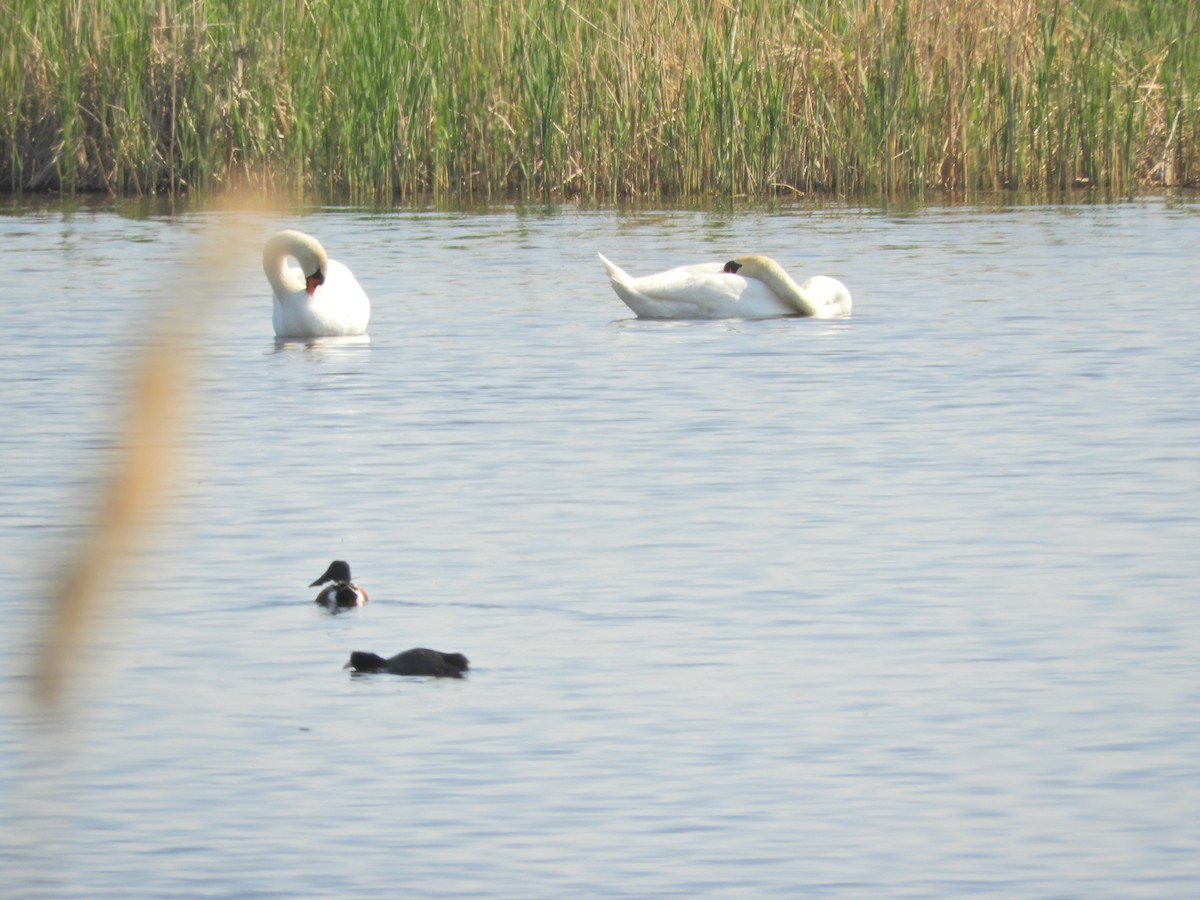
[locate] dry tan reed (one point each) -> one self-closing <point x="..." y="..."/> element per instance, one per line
<point x="138" y="485"/>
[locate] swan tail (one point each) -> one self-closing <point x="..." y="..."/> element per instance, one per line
<point x="622" y="283"/>
<point x="615" y="273"/>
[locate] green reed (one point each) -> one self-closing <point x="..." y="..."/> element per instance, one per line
<point x="598" y="98"/>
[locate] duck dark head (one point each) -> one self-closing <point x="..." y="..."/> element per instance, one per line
<point x="338" y="570"/>
<point x="361" y="661"/>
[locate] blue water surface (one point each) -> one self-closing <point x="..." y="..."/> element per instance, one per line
<point x="902" y="605"/>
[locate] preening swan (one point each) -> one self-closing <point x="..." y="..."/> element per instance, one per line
<point x="746" y="287"/>
<point x="320" y="299"/>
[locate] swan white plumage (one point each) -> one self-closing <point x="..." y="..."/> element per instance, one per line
<point x="746" y="287"/>
<point x="320" y="299"/>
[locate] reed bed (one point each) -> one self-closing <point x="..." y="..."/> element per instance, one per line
<point x="664" y="99"/>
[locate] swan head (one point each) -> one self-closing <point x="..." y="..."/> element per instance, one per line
<point x="305" y="249"/>
<point x="313" y="281"/>
<point x="755" y="266"/>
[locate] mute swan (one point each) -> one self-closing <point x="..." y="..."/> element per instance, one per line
<point x="746" y="287"/>
<point x="418" y="661"/>
<point x="320" y="299"/>
<point x="343" y="592"/>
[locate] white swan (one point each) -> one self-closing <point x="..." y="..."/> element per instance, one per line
<point x="746" y="287"/>
<point x="320" y="299"/>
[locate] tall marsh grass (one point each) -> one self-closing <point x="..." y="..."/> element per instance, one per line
<point x="601" y="98"/>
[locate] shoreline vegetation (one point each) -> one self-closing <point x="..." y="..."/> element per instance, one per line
<point x="598" y="99"/>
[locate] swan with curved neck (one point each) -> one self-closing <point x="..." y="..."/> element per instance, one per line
<point x="320" y="299"/>
<point x="746" y="287"/>
<point x="821" y="297"/>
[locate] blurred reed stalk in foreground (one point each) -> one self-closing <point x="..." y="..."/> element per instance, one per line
<point x="664" y="99"/>
<point x="139" y="478"/>
<point x="146" y="463"/>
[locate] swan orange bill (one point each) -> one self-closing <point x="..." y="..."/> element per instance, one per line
<point x="313" y="281"/>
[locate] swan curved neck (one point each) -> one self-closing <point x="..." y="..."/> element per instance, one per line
<point x="301" y="247"/>
<point x="773" y="276"/>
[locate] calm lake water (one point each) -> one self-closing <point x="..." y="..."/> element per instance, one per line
<point x="894" y="606"/>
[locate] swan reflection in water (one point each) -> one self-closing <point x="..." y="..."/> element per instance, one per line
<point x="322" y="347"/>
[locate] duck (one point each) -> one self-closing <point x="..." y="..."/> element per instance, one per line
<point x="343" y="592"/>
<point x="417" y="661"/>
<point x="746" y="287"/>
<point x="320" y="299"/>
